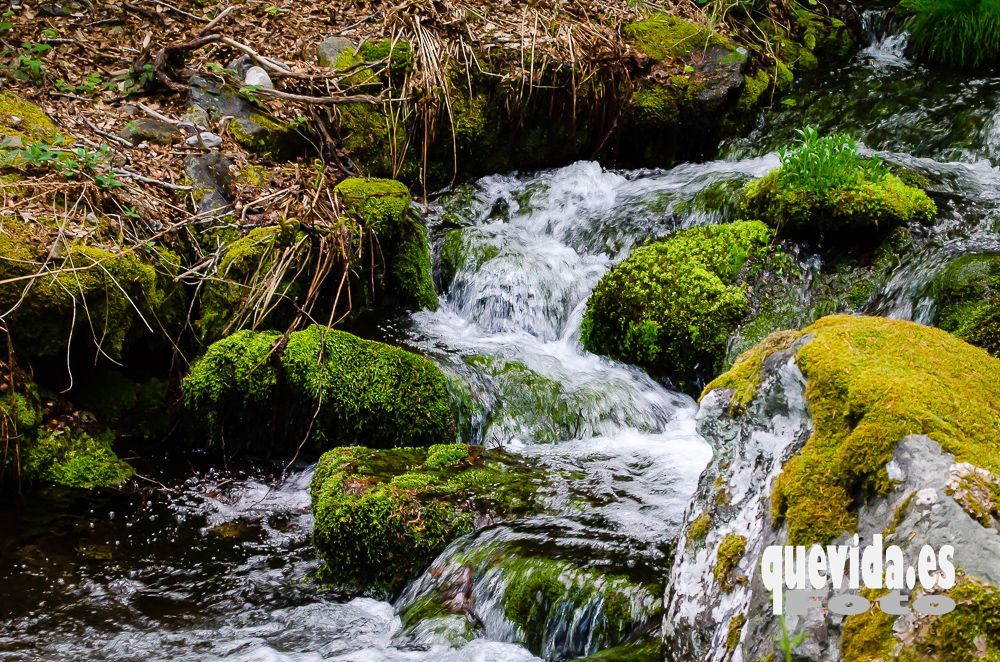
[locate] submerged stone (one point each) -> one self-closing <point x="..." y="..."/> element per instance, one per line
<point x="383" y="515"/>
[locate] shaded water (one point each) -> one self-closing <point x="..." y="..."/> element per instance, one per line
<point x="216" y="565"/>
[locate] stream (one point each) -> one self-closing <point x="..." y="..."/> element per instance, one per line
<point x="215" y="564"/>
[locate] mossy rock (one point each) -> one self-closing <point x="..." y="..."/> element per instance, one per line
<point x="870" y="382"/>
<point x="250" y="390"/>
<point x="662" y="36"/>
<point x="967" y="295"/>
<point x="671" y="306"/>
<point x="382" y="208"/>
<point x="269" y="137"/>
<point x="638" y="651"/>
<point x="969" y="632"/>
<point x="858" y="212"/>
<point x="19" y="117"/>
<point x="383" y="515"/>
<point x="98" y="296"/>
<point x="73" y="458"/>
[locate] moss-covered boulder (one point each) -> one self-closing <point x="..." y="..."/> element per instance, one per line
<point x="395" y="234"/>
<point x="967" y="296"/>
<point x="852" y="425"/>
<point x="44" y="452"/>
<point x="671" y="305"/>
<point x="260" y="391"/>
<point x="89" y="293"/>
<point x="825" y="191"/>
<point x="383" y="515"/>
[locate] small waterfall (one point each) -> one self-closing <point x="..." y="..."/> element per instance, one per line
<point x="887" y="41"/>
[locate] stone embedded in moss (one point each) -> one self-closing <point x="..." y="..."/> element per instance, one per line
<point x="870" y="382"/>
<point x="19" y="117"/>
<point x="826" y="192"/>
<point x="967" y="296"/>
<point x="72" y="458"/>
<point x="383" y="515"/>
<point x="244" y="392"/>
<point x="671" y="305"/>
<point x="727" y="558"/>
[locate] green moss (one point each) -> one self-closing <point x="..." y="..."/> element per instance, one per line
<point x="398" y="55"/>
<point x="662" y="36"/>
<point x="380" y="205"/>
<point x="20" y="413"/>
<point x="745" y="374"/>
<point x="90" y="291"/>
<point x="33" y="125"/>
<point x="967" y="295"/>
<point x="264" y="135"/>
<point x="734" y="631"/>
<point x="870" y="382"/>
<point x="867" y="636"/>
<point x="754" y="87"/>
<point x="962" y="634"/>
<point x="727" y="558"/>
<point x="671" y="305"/>
<point x="639" y="651"/>
<point x="699" y="528"/>
<point x="659" y="105"/>
<point x="442" y="456"/>
<point x="410" y="270"/>
<point x="382" y="516"/>
<point x="359" y="391"/>
<point x="825" y="191"/>
<point x="73" y="458"/>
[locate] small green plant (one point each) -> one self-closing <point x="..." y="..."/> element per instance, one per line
<point x="958" y="32"/>
<point x="90" y="85"/>
<point x="138" y="79"/>
<point x="249" y="92"/>
<point x="820" y="163"/>
<point x="69" y="162"/>
<point x="6" y="21"/>
<point x="272" y="10"/>
<point x="788" y="644"/>
<point x="28" y="64"/>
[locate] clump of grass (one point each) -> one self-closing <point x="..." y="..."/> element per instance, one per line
<point x="963" y="33"/>
<point x="821" y="163"/>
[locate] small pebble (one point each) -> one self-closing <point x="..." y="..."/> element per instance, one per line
<point x="208" y="139"/>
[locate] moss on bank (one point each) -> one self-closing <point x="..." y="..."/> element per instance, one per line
<point x="73" y="458"/>
<point x="19" y="117"/>
<point x="671" y="305"/>
<point x="382" y="516"/>
<point x="870" y="382"/>
<point x="249" y="390"/>
<point x="967" y="295"/>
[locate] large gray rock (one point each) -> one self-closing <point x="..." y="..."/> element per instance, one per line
<point x="212" y="178"/>
<point x="931" y="504"/>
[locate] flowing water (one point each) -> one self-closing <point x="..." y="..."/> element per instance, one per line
<point x="216" y="565"/>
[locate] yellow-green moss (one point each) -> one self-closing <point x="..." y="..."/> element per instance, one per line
<point x="662" y="36"/>
<point x="754" y="87"/>
<point x="334" y="386"/>
<point x="870" y="382"/>
<point x="745" y="374"/>
<point x="34" y="124"/>
<point x="378" y="204"/>
<point x="699" y="528"/>
<point x="727" y="558"/>
<point x="734" y="632"/>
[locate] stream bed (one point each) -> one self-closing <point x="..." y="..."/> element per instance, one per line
<point x="216" y="564"/>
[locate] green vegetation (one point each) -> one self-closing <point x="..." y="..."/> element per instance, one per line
<point x="827" y="192"/>
<point x="639" y="651"/>
<point x="870" y="382"/>
<point x="969" y="632"/>
<point x="671" y="305"/>
<point x="957" y="32"/>
<point x="662" y="36"/>
<point x="243" y="390"/>
<point x="727" y="558"/>
<point x="34" y="124"/>
<point x="73" y="458"/>
<point x="382" y="516"/>
<point x="699" y="528"/>
<point x="967" y="294"/>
